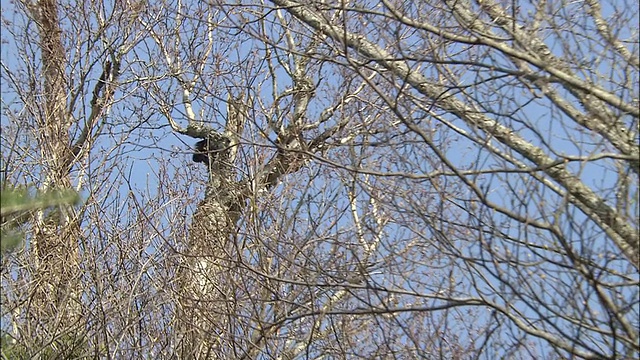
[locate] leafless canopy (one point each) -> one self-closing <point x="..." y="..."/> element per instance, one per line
<point x="383" y="179"/>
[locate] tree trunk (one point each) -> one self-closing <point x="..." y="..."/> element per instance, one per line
<point x="206" y="281"/>
<point x="55" y="311"/>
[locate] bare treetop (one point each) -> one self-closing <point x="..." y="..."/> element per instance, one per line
<point x="317" y="179"/>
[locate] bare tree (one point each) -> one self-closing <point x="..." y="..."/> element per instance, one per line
<point x="60" y="72"/>
<point x="52" y="311"/>
<point x="381" y="179"/>
<point x="512" y="216"/>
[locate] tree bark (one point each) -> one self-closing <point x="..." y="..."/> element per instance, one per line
<point x="55" y="310"/>
<point x="206" y="280"/>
